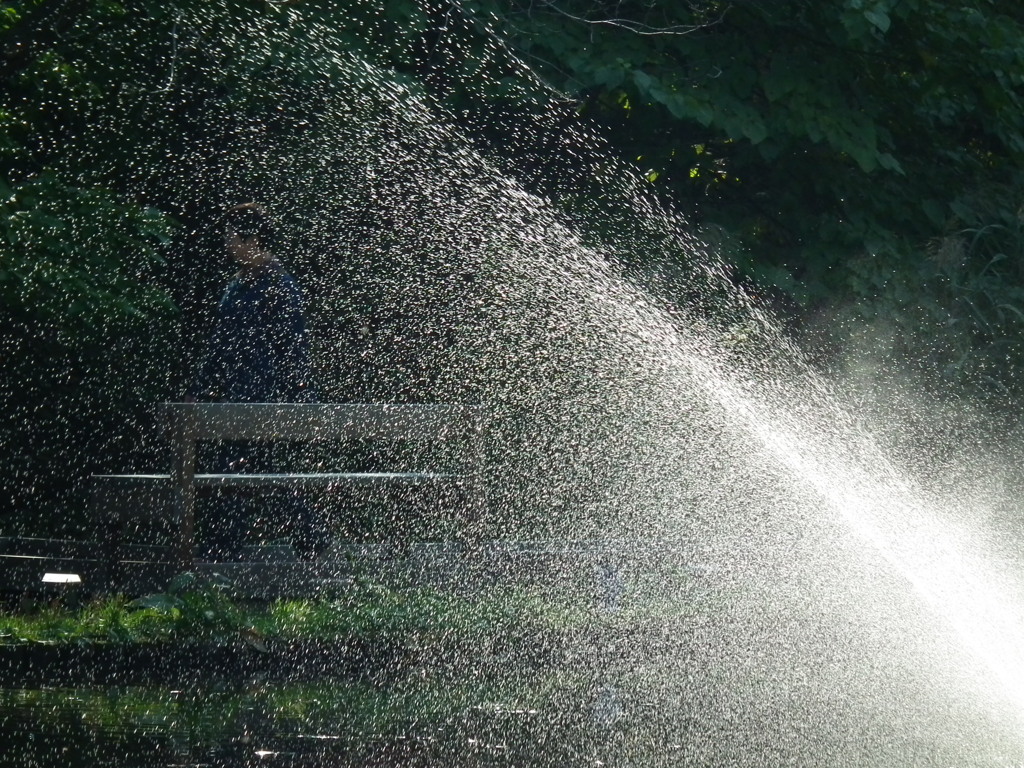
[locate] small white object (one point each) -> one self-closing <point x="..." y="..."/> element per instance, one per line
<point x="61" y="578"/>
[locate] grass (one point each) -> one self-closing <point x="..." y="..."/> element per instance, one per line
<point x="203" y="612"/>
<point x="199" y="609"/>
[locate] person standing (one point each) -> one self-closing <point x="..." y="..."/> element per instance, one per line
<point x="258" y="353"/>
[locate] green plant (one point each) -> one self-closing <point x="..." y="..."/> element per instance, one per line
<point x="196" y="606"/>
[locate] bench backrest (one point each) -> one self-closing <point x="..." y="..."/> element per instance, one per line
<point x="187" y="424"/>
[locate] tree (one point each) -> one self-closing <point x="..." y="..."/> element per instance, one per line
<point x="852" y="153"/>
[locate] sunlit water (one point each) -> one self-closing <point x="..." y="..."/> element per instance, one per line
<point x="855" y="616"/>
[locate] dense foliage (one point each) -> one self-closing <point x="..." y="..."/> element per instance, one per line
<point x="857" y="160"/>
<point x="863" y="157"/>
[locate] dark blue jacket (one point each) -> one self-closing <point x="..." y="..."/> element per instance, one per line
<point x="258" y="352"/>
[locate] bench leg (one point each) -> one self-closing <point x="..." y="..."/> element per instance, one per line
<point x="183" y="434"/>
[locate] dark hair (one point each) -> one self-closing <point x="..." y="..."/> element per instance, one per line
<point x="251" y="220"/>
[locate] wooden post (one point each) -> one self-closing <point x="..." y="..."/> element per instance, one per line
<point x="182" y="434"/>
<point x="478" y="488"/>
<point x="107" y="517"/>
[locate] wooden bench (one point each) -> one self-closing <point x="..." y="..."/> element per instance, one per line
<point x="118" y="499"/>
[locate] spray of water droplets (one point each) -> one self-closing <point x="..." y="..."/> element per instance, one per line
<point x="637" y="398"/>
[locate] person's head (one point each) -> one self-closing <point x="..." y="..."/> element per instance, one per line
<point x="250" y="234"/>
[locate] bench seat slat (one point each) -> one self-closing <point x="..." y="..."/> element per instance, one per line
<point x="53" y="549"/>
<point x="327" y="478"/>
<point x="268" y="479"/>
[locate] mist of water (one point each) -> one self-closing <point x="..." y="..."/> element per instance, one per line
<point x="630" y="400"/>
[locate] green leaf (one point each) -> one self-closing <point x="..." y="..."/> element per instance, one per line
<point x="164" y="603"/>
<point x="755" y="130"/>
<point x="183" y="582"/>
<point x="879" y="19"/>
<point x="890" y="163"/>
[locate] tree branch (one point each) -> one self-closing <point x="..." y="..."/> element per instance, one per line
<point x="636" y="27"/>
